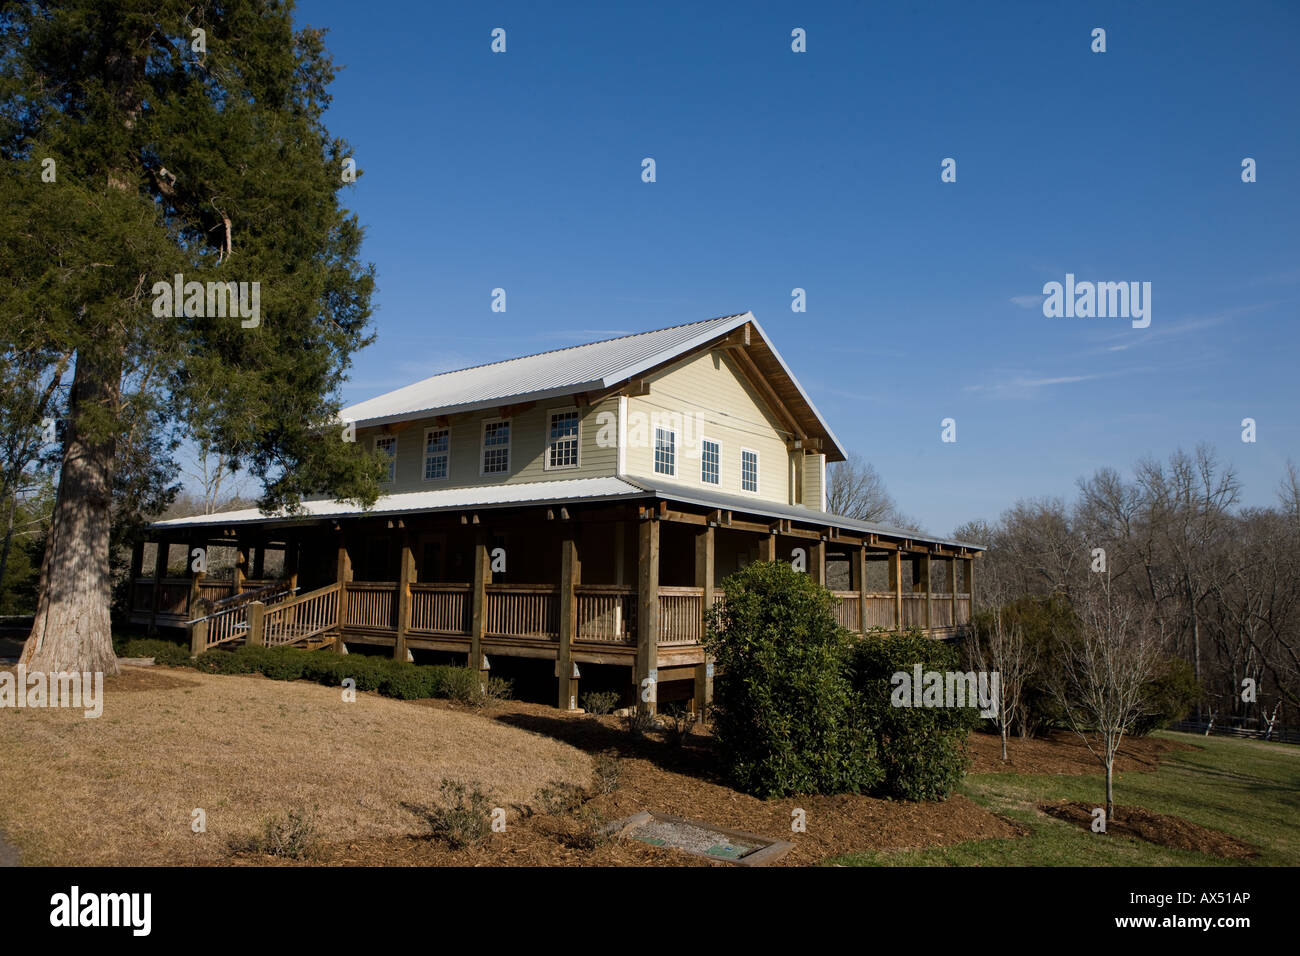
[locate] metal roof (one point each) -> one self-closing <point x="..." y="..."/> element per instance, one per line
<point x="561" y="491"/>
<point x="580" y="368"/>
<point x="544" y="375"/>
<point x="771" y="509"/>
<point x="478" y="496"/>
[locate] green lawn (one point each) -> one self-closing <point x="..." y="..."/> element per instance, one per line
<point x="1245" y="788"/>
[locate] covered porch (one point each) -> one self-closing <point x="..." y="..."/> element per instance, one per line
<point x="624" y="583"/>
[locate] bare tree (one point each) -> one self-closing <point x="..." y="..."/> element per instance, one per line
<point x="214" y="473"/>
<point x="855" y="490"/>
<point x="1106" y="664"/>
<point x="1004" y="650"/>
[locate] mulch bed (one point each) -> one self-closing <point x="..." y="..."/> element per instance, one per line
<point x="680" y="781"/>
<point x="1063" y="752"/>
<point x="1159" y="828"/>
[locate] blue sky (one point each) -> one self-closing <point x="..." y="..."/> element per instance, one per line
<point x="821" y="170"/>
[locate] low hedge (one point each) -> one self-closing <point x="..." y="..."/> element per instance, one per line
<point x="390" y="678"/>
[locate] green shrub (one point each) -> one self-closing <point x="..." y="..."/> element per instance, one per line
<point x="461" y="684"/>
<point x="1170" y="696"/>
<point x="785" y="714"/>
<point x="600" y="701"/>
<point x="922" y="750"/>
<point x="163" y="652"/>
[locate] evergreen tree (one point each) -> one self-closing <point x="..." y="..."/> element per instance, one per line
<point x="140" y="141"/>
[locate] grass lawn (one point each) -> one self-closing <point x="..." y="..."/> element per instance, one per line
<point x="1245" y="788"/>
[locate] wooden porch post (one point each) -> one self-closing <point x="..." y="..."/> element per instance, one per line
<point x="817" y="558"/>
<point x="704" y="573"/>
<point x="256" y="623"/>
<point x="241" y="568"/>
<point x="405" y="574"/>
<point x="970" y="588"/>
<point x="292" y="546"/>
<point x="478" y="622"/>
<point x="646" y="674"/>
<point x="896" y="585"/>
<point x="259" y="561"/>
<point x="570" y="576"/>
<point x="196" y="577"/>
<point x="952" y="589"/>
<point x="342" y="574"/>
<point x="767" y="547"/>
<point x="925" y="581"/>
<point x="860" y="566"/>
<point x="159" y="572"/>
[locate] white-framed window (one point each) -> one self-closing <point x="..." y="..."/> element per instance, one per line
<point x="665" y="451"/>
<point x="748" y="470"/>
<point x="562" y="440"/>
<point x="710" y="462"/>
<point x="496" y="447"/>
<point x="388" y="445"/>
<point x="437" y="454"/>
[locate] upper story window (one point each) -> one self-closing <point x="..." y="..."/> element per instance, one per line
<point x="562" y="445"/>
<point x="710" y="462"/>
<point x="496" y="447"/>
<point x="748" y="470"/>
<point x="665" y="451"/>
<point x="437" y="453"/>
<point x="388" y="445"/>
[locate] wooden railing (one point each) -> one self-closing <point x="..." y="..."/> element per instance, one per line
<point x="681" y="618"/>
<point x="880" y="609"/>
<point x="940" y="610"/>
<point x="913" y="610"/>
<point x="606" y="613"/>
<point x="848" y="610"/>
<point x="523" y="610"/>
<point x="372" y="604"/>
<point x="963" y="610"/>
<point x="218" y="628"/>
<point x="440" y="608"/>
<point x="213" y="591"/>
<point x="174" y="599"/>
<point x="300" y="618"/>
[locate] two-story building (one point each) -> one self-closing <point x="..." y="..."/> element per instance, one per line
<point x="578" y="506"/>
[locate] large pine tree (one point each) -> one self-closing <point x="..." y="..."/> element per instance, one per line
<point x="173" y="151"/>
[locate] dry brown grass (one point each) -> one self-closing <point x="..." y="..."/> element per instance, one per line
<point x="120" y="789"/>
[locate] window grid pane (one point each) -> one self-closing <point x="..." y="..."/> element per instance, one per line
<point x="665" y="452"/>
<point x="389" y="447"/>
<point x="436" y="454"/>
<point x="709" y="463"/>
<point x="564" y="440"/>
<point x="496" y="448"/>
<point x="749" y="471"/>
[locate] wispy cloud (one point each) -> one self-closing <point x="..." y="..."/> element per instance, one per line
<point x="1020" y="385"/>
<point x="1028" y="301"/>
<point x="1158" y="332"/>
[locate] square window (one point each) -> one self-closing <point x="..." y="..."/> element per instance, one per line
<point x="665" y="451"/>
<point x="710" y="462"/>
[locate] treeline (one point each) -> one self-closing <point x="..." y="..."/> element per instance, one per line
<point x="1220" y="582"/>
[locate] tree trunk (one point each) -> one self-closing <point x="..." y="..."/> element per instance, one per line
<point x="1110" y="791"/>
<point x="72" y="630"/>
